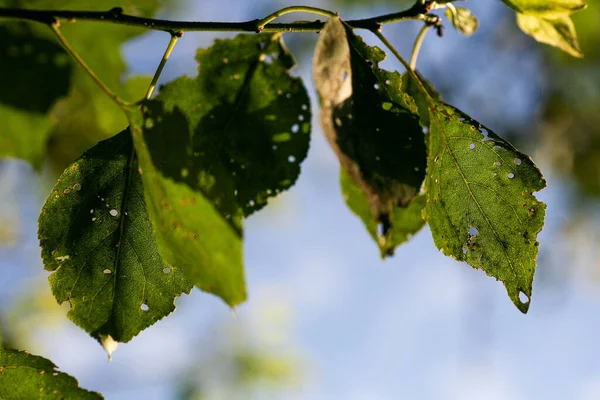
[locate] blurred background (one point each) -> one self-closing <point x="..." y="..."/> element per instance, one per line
<point x="325" y="318"/>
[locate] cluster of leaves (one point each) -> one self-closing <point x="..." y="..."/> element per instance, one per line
<point x="143" y="216"/>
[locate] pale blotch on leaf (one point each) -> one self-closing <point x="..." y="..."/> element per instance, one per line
<point x="110" y="345"/>
<point x="113" y="212"/>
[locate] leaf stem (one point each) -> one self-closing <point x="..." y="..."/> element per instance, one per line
<point x="419" y="11"/>
<point x="417" y="46"/>
<point x="174" y="37"/>
<point x="55" y="28"/>
<point x="261" y="23"/>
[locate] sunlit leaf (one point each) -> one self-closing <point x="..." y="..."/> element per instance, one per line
<point x="213" y="149"/>
<point x="558" y="31"/>
<point x="25" y="376"/>
<point x="96" y="236"/>
<point x="480" y="203"/>
<point x="546" y="8"/>
<point x="372" y="126"/>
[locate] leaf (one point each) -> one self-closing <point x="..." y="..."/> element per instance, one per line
<point x="25" y="376"/>
<point x="421" y="99"/>
<point x="463" y="20"/>
<point x="97" y="239"/>
<point x="480" y="205"/>
<point x="213" y="149"/>
<point x="406" y="221"/>
<point x="372" y="126"/>
<point x="85" y="115"/>
<point x="546" y="8"/>
<point x="557" y="31"/>
<point x="34" y="73"/>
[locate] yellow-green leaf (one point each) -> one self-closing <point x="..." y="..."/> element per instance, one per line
<point x="546" y="8"/>
<point x="557" y="31"/>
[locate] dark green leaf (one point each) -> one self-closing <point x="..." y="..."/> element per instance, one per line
<point x="34" y="71"/>
<point x="406" y="221"/>
<point x="24" y="376"/>
<point x="213" y="149"/>
<point x="95" y="234"/>
<point x="480" y="203"/>
<point x="370" y="123"/>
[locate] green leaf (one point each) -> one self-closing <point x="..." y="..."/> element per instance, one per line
<point x="421" y="99"/>
<point x="34" y="74"/>
<point x="372" y="126"/>
<point x="546" y="8"/>
<point x="463" y="20"/>
<point x="557" y="31"/>
<point x="23" y="134"/>
<point x="34" y="71"/>
<point x="480" y="203"/>
<point x="25" y="376"/>
<point x="96" y="236"/>
<point x="406" y="221"/>
<point x="213" y="149"/>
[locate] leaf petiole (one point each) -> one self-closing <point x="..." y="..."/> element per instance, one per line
<point x="287" y="10"/>
<point x="55" y="28"/>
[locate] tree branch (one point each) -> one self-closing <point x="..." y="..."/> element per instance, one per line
<point x="116" y="16"/>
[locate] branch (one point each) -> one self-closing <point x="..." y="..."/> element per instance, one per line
<point x="116" y="16"/>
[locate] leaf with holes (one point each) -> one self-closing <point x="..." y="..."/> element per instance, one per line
<point x="480" y="203"/>
<point x="370" y="123"/>
<point x="25" y="376"/>
<point x="96" y="236"/>
<point x="406" y="221"/>
<point x="215" y="148"/>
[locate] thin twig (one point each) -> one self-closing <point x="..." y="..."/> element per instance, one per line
<point x="55" y="28"/>
<point x="261" y="24"/>
<point x="116" y="16"/>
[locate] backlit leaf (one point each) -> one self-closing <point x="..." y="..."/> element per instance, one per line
<point x="480" y="203"/>
<point x="372" y="126"/>
<point x="406" y="221"/>
<point x="213" y="149"/>
<point x="546" y="8"/>
<point x="25" y="376"/>
<point x="97" y="239"/>
<point x="463" y="20"/>
<point x="557" y="31"/>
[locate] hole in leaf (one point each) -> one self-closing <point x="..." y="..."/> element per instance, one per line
<point x="387" y="82"/>
<point x="291" y="159"/>
<point x="144" y="307"/>
<point x="473" y="231"/>
<point x="511" y="175"/>
<point x="464" y="250"/>
<point x="167" y="270"/>
<point x="523" y="298"/>
<point x="113" y="212"/>
<point x="517" y="161"/>
<point x="472" y="146"/>
<point x="375" y="86"/>
<point x="496" y="148"/>
<point x="304" y="107"/>
<point x="498" y="163"/>
<point x="344" y="76"/>
<point x="295" y="128"/>
<point x="300" y="117"/>
<point x="380" y="229"/>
